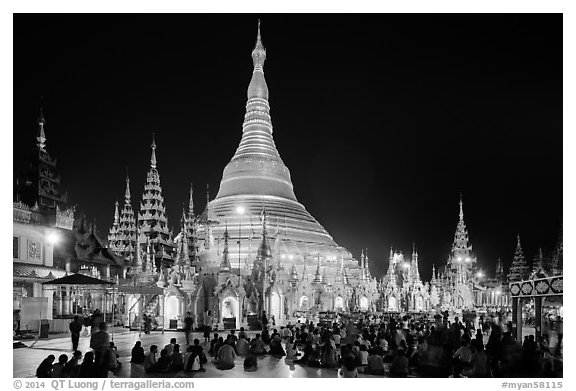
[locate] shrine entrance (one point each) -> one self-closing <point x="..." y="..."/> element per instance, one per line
<point x="364" y="303"/>
<point x="537" y="289"/>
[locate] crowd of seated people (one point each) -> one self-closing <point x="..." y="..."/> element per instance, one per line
<point x="394" y="346"/>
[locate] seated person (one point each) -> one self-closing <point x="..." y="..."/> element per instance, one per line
<point x="45" y="368"/>
<point x="399" y="367"/>
<point x="218" y="345"/>
<point x="212" y="343"/>
<point x="164" y="362"/>
<point x="138" y="356"/>
<point x="170" y="347"/>
<point x="242" y="346"/>
<point x="363" y="356"/>
<point x="242" y="333"/>
<point x="150" y="362"/>
<point x="177" y="359"/>
<point x="58" y="368"/>
<point x="257" y="345"/>
<point x="197" y="349"/>
<point x="250" y="363"/>
<point x="88" y="368"/>
<point x="73" y="365"/>
<point x="348" y="369"/>
<point x="192" y="361"/>
<point x="114" y="365"/>
<point x="276" y="346"/>
<point x="329" y="357"/>
<point x="291" y="351"/>
<point x="375" y="364"/>
<point x="225" y="358"/>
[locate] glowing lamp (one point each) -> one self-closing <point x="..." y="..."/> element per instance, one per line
<point x="52" y="238"/>
<point x="240" y="210"/>
<point x="468" y="259"/>
<point x="290" y="256"/>
<point x="282" y="256"/>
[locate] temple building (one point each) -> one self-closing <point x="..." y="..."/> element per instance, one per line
<point x="49" y="244"/>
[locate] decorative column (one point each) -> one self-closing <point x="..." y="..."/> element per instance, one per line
<point x="538" y="315"/>
<point x="517" y="318"/>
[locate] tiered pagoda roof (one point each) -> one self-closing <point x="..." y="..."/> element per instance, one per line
<point x="152" y="220"/>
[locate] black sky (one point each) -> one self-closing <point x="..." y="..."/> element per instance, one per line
<point x="382" y="119"/>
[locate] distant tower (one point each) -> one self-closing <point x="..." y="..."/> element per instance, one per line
<point x="461" y="255"/>
<point x="558" y="259"/>
<point x="152" y="216"/>
<point x="499" y="271"/>
<point x="538" y="265"/>
<point x="113" y="235"/>
<point x="414" y="270"/>
<point x="519" y="270"/>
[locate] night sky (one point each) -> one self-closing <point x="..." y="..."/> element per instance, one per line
<point x="383" y="120"/>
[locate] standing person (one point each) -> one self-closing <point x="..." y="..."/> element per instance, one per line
<point x="75" y="329"/>
<point x="264" y="321"/>
<point x="100" y="342"/>
<point x="207" y="325"/>
<point x="188" y="327"/>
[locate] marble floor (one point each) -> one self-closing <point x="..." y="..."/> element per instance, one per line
<point x="27" y="359"/>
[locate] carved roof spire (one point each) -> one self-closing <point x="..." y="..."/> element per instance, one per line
<point x="191" y="202"/>
<point x="116" y="213"/>
<point x="127" y="193"/>
<point x="41" y="135"/>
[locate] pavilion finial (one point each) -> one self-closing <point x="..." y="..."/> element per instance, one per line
<point x="461" y="208"/>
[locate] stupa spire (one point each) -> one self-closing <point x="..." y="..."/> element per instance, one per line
<point x="259" y="53"/>
<point x="225" y="264"/>
<point x="153" y="157"/>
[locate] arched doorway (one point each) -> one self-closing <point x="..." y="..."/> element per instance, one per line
<point x="392" y="304"/>
<point x="171" y="312"/>
<point x="364" y="303"/>
<point x="230" y="312"/>
<point x="339" y="303"/>
<point x="275" y="306"/>
<point x="303" y="306"/>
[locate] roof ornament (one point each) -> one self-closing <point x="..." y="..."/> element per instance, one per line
<point x="127" y="194"/>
